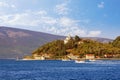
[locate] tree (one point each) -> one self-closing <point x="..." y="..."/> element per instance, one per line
<point x="116" y="42"/>
<point x="77" y="38"/>
<point x="70" y="44"/>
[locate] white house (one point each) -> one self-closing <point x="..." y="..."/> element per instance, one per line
<point x="67" y="39"/>
<point x="73" y="57"/>
<point x="38" y="57"/>
<point x="90" y="56"/>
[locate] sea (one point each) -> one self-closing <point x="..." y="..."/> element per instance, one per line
<point x="59" y="70"/>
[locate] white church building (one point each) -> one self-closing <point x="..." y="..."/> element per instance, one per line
<point x="67" y="39"/>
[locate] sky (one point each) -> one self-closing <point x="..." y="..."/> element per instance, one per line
<point x="85" y="18"/>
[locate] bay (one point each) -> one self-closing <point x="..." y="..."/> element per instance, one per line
<point x="59" y="70"/>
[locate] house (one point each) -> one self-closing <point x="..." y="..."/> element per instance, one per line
<point x="90" y="56"/>
<point x="108" y="56"/>
<point x="67" y="39"/>
<point x="38" y="57"/>
<point x="80" y="42"/>
<point x="73" y="57"/>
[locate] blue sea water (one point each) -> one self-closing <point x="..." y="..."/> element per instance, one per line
<point x="59" y="70"/>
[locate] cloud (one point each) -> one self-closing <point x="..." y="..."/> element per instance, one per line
<point x="27" y="18"/>
<point x="101" y="5"/>
<point x="48" y="20"/>
<point x="65" y="21"/>
<point x="94" y="33"/>
<point x="13" y="6"/>
<point x="6" y="5"/>
<point x="45" y="23"/>
<point x="40" y="20"/>
<point x="42" y="12"/>
<point x="62" y="9"/>
<point x="3" y="4"/>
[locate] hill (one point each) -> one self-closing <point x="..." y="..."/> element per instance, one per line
<point x="116" y="42"/>
<point x="76" y="48"/>
<point x="19" y="42"/>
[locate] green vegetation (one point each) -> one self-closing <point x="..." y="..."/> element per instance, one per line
<point x="56" y="48"/>
<point x="116" y="42"/>
<point x="80" y="47"/>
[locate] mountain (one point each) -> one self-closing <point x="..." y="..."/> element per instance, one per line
<point x="103" y="40"/>
<point x="19" y="42"/>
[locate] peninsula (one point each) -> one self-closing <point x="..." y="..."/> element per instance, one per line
<point x="74" y="48"/>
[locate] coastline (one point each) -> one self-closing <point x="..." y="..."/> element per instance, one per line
<point x="108" y="59"/>
<point x="69" y="60"/>
<point x="57" y="59"/>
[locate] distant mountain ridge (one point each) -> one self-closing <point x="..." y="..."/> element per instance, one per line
<point x="19" y="42"/>
<point x="103" y="40"/>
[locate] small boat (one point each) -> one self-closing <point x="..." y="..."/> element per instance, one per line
<point x="79" y="61"/>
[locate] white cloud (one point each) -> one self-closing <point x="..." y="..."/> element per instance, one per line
<point x="27" y="18"/>
<point x="13" y="6"/>
<point x="48" y="20"/>
<point x="42" y="12"/>
<point x="41" y="21"/>
<point x="101" y="5"/>
<point x="94" y="33"/>
<point x="45" y="23"/>
<point x="7" y="5"/>
<point x="62" y="9"/>
<point x="65" y="21"/>
<point x="3" y="4"/>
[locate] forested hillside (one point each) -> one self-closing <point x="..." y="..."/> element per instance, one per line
<point x="80" y="47"/>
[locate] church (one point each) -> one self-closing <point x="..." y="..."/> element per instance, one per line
<point x="67" y="39"/>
